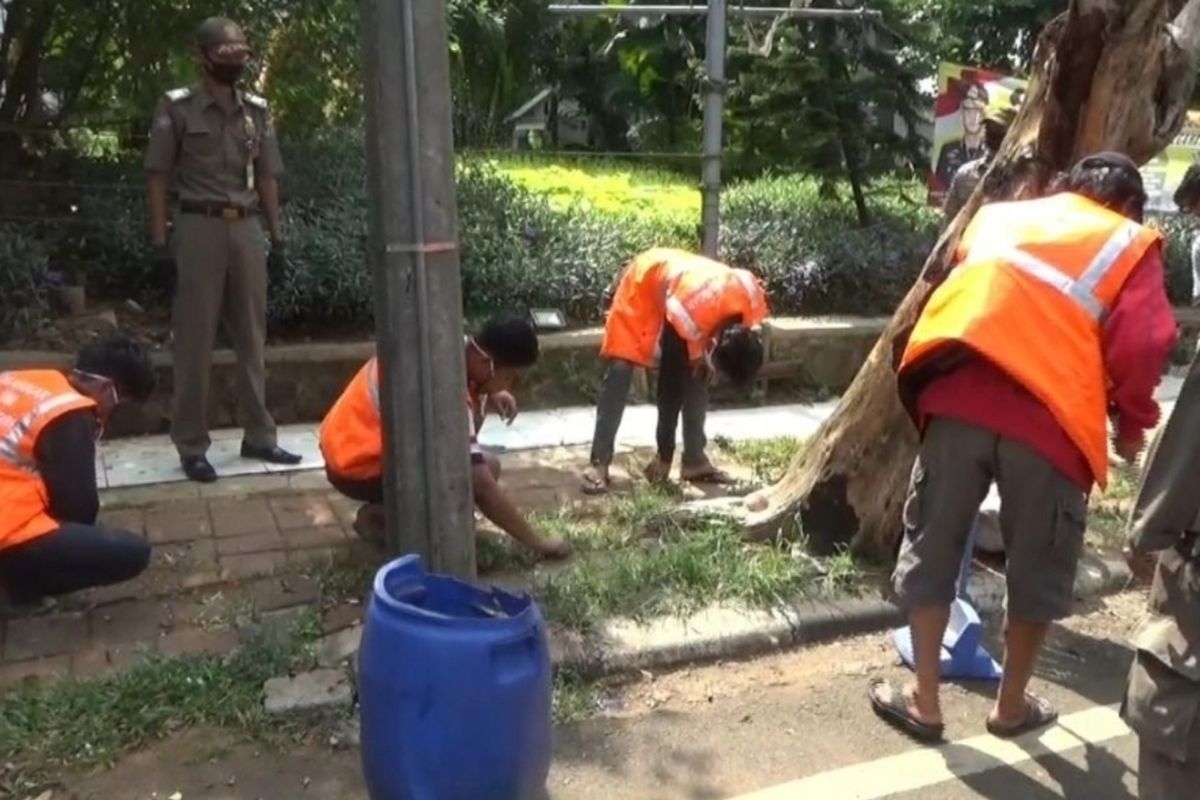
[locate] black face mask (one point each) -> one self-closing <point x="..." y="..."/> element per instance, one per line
<point x="225" y="74"/>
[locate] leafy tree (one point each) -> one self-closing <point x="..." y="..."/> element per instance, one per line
<point x="999" y="35"/>
<point x="821" y="96"/>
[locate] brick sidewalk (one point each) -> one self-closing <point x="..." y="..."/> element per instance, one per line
<point x="230" y="558"/>
<point x="226" y="558"/>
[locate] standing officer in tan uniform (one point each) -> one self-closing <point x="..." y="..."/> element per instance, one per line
<point x="1162" y="701"/>
<point x="218" y="144"/>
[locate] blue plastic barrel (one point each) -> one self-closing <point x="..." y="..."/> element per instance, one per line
<point x="454" y="689"/>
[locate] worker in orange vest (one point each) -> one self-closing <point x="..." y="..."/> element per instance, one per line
<point x="351" y="435"/>
<point x="1053" y="319"/>
<point x="694" y="318"/>
<point x="50" y="544"/>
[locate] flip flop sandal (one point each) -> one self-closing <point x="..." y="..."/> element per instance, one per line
<point x="715" y="477"/>
<point x="592" y="486"/>
<point x="1039" y="714"/>
<point x="891" y="707"/>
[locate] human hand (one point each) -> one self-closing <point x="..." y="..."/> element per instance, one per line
<point x="505" y="405"/>
<point x="553" y="549"/>
<point x="1128" y="446"/>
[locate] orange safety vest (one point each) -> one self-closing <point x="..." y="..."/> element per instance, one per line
<point x="1033" y="283"/>
<point x="693" y="293"/>
<point x="29" y="401"/>
<point x="351" y="436"/>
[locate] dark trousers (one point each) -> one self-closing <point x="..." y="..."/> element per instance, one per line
<point x="364" y="490"/>
<point x="678" y="390"/>
<point x="71" y="558"/>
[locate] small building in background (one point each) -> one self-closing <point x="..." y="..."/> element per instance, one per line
<point x="547" y="121"/>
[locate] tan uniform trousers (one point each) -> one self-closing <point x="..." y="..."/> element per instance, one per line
<point x="222" y="279"/>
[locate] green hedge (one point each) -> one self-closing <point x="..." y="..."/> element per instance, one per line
<point x="531" y="235"/>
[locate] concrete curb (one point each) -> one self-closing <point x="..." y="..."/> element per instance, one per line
<point x="721" y="632"/>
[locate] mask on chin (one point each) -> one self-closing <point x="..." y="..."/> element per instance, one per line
<point x="225" y="74"/>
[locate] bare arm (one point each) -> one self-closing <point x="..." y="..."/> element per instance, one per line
<point x="495" y="504"/>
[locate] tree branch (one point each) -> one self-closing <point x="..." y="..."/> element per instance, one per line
<point x="1185" y="28"/>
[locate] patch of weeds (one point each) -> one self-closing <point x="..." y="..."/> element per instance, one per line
<point x="348" y="578"/>
<point x="1109" y="510"/>
<point x="47" y="730"/>
<point x="575" y="699"/>
<point x="700" y="562"/>
<point x="768" y="459"/>
<point x="615" y="524"/>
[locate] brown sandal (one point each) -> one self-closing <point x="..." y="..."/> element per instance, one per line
<point x="892" y="708"/>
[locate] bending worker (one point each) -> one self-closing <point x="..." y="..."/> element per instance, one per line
<point x="1053" y="318"/>
<point x="352" y="434"/>
<point x="694" y="317"/>
<point x="50" y="543"/>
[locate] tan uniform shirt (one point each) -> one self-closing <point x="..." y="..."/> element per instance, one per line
<point x="215" y="151"/>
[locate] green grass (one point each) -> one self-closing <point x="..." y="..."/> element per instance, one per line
<point x="611" y="526"/>
<point x="72" y="724"/>
<point x="575" y="698"/>
<point x="767" y="458"/>
<point x="608" y="188"/>
<point x="703" y="562"/>
<point x="627" y="567"/>
<point x="1109" y="511"/>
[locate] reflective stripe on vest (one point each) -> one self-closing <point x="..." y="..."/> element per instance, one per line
<point x="10" y="443"/>
<point x="373" y="383"/>
<point x="1082" y="289"/>
<point x="747" y="282"/>
<point x="676" y="309"/>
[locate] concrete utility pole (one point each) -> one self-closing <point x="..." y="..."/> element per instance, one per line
<point x="418" y="307"/>
<point x="714" y="112"/>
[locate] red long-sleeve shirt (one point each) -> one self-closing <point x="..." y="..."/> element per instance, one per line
<point x="1137" y="337"/>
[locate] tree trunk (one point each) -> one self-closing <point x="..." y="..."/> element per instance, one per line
<point x="1108" y="76"/>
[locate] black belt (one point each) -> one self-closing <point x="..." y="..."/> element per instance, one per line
<point x="219" y="210"/>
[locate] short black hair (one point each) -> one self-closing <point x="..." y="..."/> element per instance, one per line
<point x="123" y="361"/>
<point x="1110" y="179"/>
<point x="978" y="87"/>
<point x="1189" y="189"/>
<point x="510" y="341"/>
<point x="738" y="354"/>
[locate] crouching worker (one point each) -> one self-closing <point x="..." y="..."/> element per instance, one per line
<point x="695" y="318"/>
<point x="50" y="543"/>
<point x="352" y="434"/>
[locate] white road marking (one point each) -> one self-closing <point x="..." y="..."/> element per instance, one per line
<point x="925" y="767"/>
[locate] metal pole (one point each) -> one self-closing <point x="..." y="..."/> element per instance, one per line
<point x="418" y="295"/>
<point x="695" y="11"/>
<point x="714" y="109"/>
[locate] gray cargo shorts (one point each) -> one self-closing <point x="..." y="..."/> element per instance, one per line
<point x="1042" y="520"/>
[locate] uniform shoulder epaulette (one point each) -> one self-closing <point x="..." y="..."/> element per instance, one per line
<point x="255" y="100"/>
<point x="176" y="95"/>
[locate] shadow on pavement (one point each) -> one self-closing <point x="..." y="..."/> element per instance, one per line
<point x="609" y="743"/>
<point x="1103" y="777"/>
<point x="1093" y="668"/>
